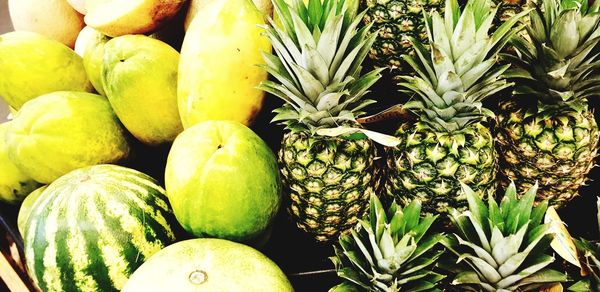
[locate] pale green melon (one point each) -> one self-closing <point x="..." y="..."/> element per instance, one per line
<point x="25" y="208"/>
<point x="207" y="264"/>
<point x="90" y="45"/>
<point x="62" y="131"/>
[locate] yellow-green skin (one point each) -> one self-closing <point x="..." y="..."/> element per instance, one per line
<point x="92" y="42"/>
<point x="32" y="65"/>
<point x="25" y="208"/>
<point x="139" y="74"/>
<point x="222" y="181"/>
<point x="220" y="64"/>
<point x="207" y="264"/>
<point x="62" y="131"/>
<point x="14" y="184"/>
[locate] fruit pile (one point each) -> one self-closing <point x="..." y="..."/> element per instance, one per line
<point x="461" y="195"/>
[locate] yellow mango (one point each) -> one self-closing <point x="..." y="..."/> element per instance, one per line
<point x="32" y="64"/>
<point x="139" y="74"/>
<point x="219" y="68"/>
<point x="90" y="45"/>
<point x="264" y="6"/>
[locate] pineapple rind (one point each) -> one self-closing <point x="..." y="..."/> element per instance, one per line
<point x="329" y="181"/>
<point x="430" y="166"/>
<point x="557" y="151"/>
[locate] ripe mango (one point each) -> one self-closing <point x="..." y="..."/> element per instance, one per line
<point x="32" y="65"/>
<point x="55" y="19"/>
<point x="139" y="74"/>
<point x="90" y="45"/>
<point x="219" y="68"/>
<point x="120" y="17"/>
<point x="62" y="131"/>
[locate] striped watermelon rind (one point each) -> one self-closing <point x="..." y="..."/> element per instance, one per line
<point x="92" y="228"/>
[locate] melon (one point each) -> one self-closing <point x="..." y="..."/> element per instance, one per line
<point x="208" y="264"/>
<point x="93" y="227"/>
<point x="25" y="208"/>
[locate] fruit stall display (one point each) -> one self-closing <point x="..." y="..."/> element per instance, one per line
<point x="281" y="145"/>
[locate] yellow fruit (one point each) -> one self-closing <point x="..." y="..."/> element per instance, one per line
<point x="90" y="45"/>
<point x="140" y="78"/>
<point x="14" y="184"/>
<point x="55" y="19"/>
<point x="264" y="6"/>
<point x="121" y="17"/>
<point x="220" y="64"/>
<point x="32" y="65"/>
<point x="78" y="5"/>
<point x="62" y="131"/>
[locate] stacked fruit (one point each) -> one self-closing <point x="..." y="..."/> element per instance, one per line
<point x="193" y="76"/>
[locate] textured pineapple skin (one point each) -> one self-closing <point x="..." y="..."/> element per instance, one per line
<point x="396" y="20"/>
<point x="329" y="181"/>
<point x="556" y="150"/>
<point x="425" y="167"/>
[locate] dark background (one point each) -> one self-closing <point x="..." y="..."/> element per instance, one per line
<point x="305" y="261"/>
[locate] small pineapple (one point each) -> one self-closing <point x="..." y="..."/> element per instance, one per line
<point x="546" y="132"/>
<point x="396" y="21"/>
<point x="590" y="261"/>
<point x="326" y="158"/>
<point x="502" y="247"/>
<point x="390" y="251"/>
<point x="449" y="144"/>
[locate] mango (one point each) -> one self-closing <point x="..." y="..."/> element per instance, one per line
<point x="120" y="17"/>
<point x="264" y="6"/>
<point x="55" y="19"/>
<point x="62" y="131"/>
<point x="32" y="65"/>
<point x="15" y="185"/>
<point x="220" y="64"/>
<point x="90" y="45"/>
<point x="139" y="74"/>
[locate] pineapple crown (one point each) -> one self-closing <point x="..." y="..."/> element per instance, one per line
<point x="318" y="65"/>
<point x="558" y="62"/>
<point x="504" y="246"/>
<point x="459" y="70"/>
<point x="389" y="251"/>
<point x="590" y="262"/>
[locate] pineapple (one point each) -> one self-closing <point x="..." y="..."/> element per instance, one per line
<point x="326" y="158"/>
<point x="546" y="132"/>
<point x="396" y="21"/>
<point x="449" y="143"/>
<point x="590" y="261"/>
<point x="393" y="251"/>
<point x="502" y="247"/>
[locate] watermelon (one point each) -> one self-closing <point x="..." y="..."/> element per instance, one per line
<point x="93" y="227"/>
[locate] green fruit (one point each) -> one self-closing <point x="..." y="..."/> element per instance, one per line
<point x="25" y="209"/>
<point x="14" y="184"/>
<point x="207" y="264"/>
<point x="62" y="131"/>
<point x="222" y="181"/>
<point x="92" y="228"/>
<point x="90" y="44"/>
<point x="32" y="65"/>
<point x="139" y="74"/>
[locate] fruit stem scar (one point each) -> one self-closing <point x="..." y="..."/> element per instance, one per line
<point x="198" y="277"/>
